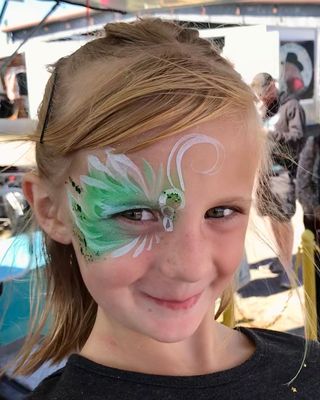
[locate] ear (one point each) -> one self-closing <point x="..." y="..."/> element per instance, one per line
<point x="48" y="212"/>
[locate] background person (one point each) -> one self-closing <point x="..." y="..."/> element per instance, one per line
<point x="284" y="119"/>
<point x="143" y="192"/>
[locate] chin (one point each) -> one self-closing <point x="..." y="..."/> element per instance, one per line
<point x="172" y="331"/>
<point x="169" y="323"/>
<point x="172" y="338"/>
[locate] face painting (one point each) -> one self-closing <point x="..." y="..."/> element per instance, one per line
<point x="115" y="194"/>
<point x="164" y="290"/>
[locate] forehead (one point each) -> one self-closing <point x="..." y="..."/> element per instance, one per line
<point x="232" y="141"/>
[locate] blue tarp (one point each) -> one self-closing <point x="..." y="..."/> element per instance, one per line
<point x="20" y="254"/>
<point x="17" y="259"/>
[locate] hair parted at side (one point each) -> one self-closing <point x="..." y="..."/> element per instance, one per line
<point x="177" y="78"/>
<point x="139" y="83"/>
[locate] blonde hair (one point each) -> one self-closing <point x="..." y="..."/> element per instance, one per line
<point x="141" y="77"/>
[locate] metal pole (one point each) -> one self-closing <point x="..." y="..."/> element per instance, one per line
<point x="3" y="10"/>
<point x="32" y="32"/>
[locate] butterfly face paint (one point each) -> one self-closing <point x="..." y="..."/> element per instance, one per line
<point x="110" y="189"/>
<point x="103" y="200"/>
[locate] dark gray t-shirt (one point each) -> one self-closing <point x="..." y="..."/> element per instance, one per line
<point x="264" y="376"/>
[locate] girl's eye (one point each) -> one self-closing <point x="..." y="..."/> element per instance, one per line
<point x="138" y="215"/>
<point x="219" y="212"/>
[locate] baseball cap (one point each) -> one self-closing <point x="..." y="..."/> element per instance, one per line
<point x="261" y="82"/>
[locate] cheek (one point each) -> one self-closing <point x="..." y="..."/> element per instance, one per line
<point x="112" y="273"/>
<point x="230" y="250"/>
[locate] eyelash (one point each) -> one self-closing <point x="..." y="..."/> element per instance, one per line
<point x="232" y="214"/>
<point x="126" y="215"/>
<point x="129" y="215"/>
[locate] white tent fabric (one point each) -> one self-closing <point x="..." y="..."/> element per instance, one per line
<point x="17" y="153"/>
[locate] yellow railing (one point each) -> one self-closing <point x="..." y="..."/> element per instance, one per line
<point x="309" y="281"/>
<point x="228" y="317"/>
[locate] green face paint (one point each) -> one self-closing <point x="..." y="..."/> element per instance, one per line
<point x="107" y="191"/>
<point x="118" y="186"/>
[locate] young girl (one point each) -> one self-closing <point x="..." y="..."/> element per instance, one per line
<point x="148" y="149"/>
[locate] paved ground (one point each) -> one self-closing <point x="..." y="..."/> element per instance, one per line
<point x="262" y="302"/>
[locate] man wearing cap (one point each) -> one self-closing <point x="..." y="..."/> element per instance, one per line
<point x="284" y="118"/>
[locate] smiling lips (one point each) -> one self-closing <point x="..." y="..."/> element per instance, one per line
<point x="175" y="304"/>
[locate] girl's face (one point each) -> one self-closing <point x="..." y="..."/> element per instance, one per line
<point x="159" y="233"/>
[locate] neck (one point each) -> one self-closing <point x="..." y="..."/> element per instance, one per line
<point x="211" y="348"/>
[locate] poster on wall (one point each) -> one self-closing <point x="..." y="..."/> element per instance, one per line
<point x="297" y="68"/>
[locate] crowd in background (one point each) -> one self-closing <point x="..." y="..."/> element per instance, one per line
<point x="296" y="166"/>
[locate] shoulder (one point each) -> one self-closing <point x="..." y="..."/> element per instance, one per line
<point x="286" y="366"/>
<point x="82" y="379"/>
<point x="275" y="339"/>
<point x="286" y="98"/>
<point x="284" y="345"/>
<point x="297" y="355"/>
<point x="47" y="387"/>
<point x="289" y="102"/>
<point x="66" y="383"/>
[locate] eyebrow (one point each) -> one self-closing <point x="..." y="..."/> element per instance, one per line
<point x="130" y="203"/>
<point x="119" y="206"/>
<point x="234" y="200"/>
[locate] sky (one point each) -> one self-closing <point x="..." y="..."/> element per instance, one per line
<point x="21" y="12"/>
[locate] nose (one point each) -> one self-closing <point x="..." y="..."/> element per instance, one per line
<point x="186" y="255"/>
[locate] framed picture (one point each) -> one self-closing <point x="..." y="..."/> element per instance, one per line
<point x="297" y="68"/>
